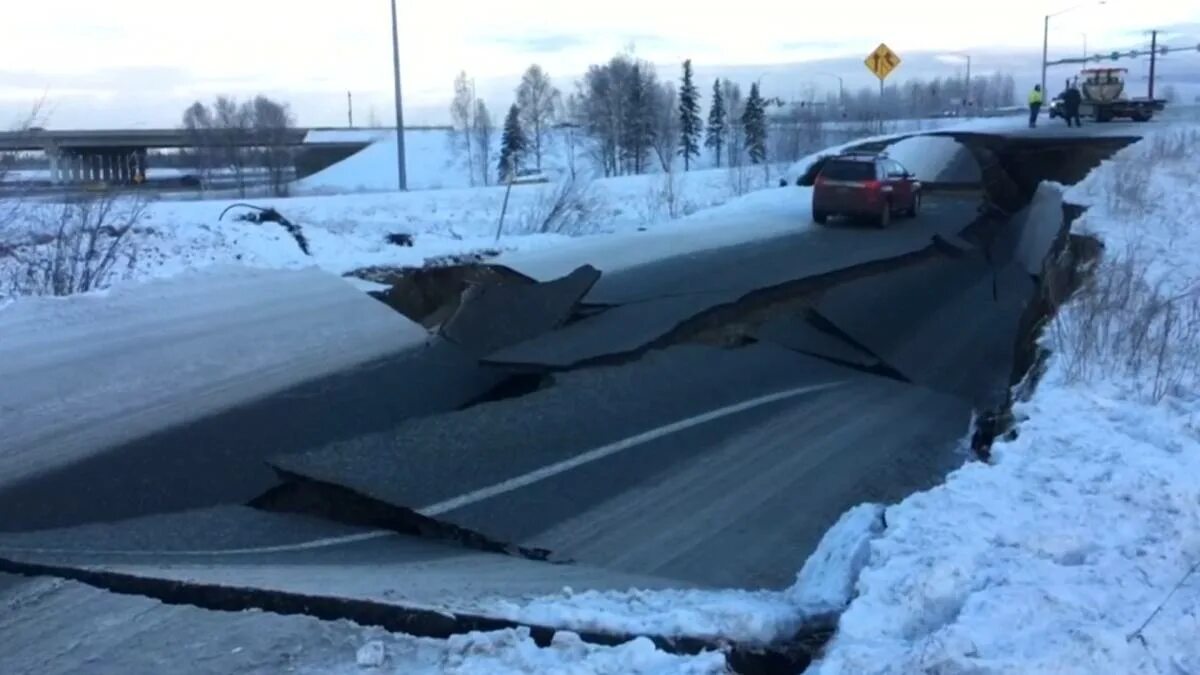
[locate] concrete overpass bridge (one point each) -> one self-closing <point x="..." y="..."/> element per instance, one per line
<point x="120" y="155"/>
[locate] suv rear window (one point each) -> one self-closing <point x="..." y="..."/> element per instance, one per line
<point x="840" y="169"/>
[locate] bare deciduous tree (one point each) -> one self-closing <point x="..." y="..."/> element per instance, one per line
<point x="271" y="121"/>
<point x="462" y="112"/>
<point x="72" y="247"/>
<point x="200" y="127"/>
<point x="666" y="124"/>
<point x="570" y="131"/>
<point x="538" y="100"/>
<point x="483" y="130"/>
<point x="235" y="136"/>
<point x="735" y="141"/>
<point x="615" y="103"/>
<point x="232" y="125"/>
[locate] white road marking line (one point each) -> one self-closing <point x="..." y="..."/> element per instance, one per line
<point x="283" y="548"/>
<point x="551" y="470"/>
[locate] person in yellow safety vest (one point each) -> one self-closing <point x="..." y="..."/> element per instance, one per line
<point x="1035" y="104"/>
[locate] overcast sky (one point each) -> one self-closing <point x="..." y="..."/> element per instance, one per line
<point x="139" y="62"/>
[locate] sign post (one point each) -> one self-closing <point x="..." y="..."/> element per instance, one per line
<point x="881" y="63"/>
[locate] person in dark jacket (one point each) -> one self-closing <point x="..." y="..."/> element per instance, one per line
<point x="1072" y="99"/>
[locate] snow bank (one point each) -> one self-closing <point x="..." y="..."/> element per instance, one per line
<point x="924" y="156"/>
<point x="374" y="168"/>
<point x="758" y="215"/>
<point x="90" y="371"/>
<point x="351" y="231"/>
<point x="319" y="136"/>
<point x="1071" y="552"/>
<point x="936" y="158"/>
<point x="513" y="652"/>
<point x="822" y="587"/>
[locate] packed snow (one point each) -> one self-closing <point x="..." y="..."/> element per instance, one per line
<point x="822" y="588"/>
<point x="513" y="652"/>
<point x="89" y="371"/>
<point x="54" y="625"/>
<point x="1074" y="549"/>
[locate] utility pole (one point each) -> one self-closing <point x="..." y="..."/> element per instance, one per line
<point x="402" y="172"/>
<point x="1153" y="58"/>
<point x="1045" y="51"/>
<point x="967" y="92"/>
<point x="881" y="106"/>
<point x="350" y="110"/>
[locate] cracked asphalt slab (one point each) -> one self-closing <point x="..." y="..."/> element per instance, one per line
<point x="947" y="324"/>
<point x="811" y="251"/>
<point x="221" y="459"/>
<point x="305" y="557"/>
<point x="797" y="332"/>
<point x="770" y="440"/>
<point x="69" y="628"/>
<point x="437" y="458"/>
<point x="617" y="331"/>
<point x="499" y="315"/>
<point x="741" y="503"/>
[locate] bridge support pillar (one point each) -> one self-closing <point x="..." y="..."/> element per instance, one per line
<point x="139" y="164"/>
<point x="55" y="169"/>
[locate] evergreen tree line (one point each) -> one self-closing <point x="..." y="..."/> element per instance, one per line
<point x="918" y="97"/>
<point x="629" y="121"/>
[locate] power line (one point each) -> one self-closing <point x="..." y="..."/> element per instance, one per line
<point x="1117" y="55"/>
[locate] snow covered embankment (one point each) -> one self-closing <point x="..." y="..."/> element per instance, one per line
<point x="1071" y="552"/>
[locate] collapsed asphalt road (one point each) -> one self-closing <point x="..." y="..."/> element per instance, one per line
<point x="222" y="459"/>
<point x="697" y="422"/>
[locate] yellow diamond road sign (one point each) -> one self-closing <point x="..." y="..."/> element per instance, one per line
<point x="882" y="61"/>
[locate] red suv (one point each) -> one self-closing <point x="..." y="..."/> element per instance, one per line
<point x="865" y="184"/>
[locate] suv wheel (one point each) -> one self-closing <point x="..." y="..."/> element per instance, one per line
<point x="916" y="206"/>
<point x="885" y="215"/>
<point x="819" y="217"/>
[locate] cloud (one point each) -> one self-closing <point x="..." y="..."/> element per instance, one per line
<point x="815" y="45"/>
<point x="541" y="44"/>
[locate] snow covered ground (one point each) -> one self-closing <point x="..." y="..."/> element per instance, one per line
<point x="434" y="162"/>
<point x="613" y="222"/>
<point x="349" y="232"/>
<point x="1071" y="551"/>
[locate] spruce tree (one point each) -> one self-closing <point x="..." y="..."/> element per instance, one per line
<point x="717" y="130"/>
<point x="689" y="117"/>
<point x="638" y="124"/>
<point x="512" y="143"/>
<point x="754" y="122"/>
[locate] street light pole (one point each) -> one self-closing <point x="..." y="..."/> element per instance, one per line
<point x="402" y="172"/>
<point x="967" y="94"/>
<point x="1046" y="35"/>
<point x="1045" y="50"/>
<point x="841" y="87"/>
